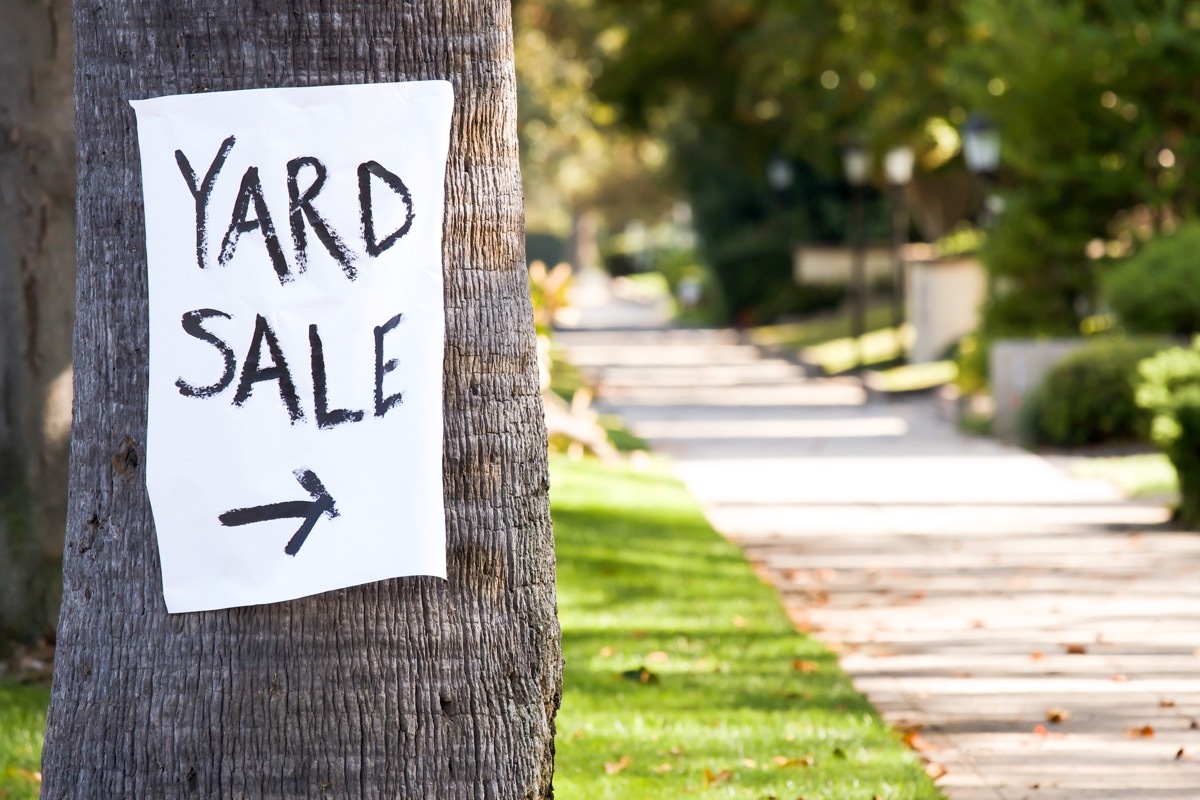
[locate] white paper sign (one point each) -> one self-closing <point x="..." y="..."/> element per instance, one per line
<point x="294" y="241"/>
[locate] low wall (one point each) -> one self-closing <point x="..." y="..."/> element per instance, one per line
<point x="1016" y="368"/>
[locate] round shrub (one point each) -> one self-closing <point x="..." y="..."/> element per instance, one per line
<point x="1157" y="291"/>
<point x="1089" y="397"/>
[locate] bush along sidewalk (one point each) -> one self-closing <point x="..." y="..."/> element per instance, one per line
<point x="1088" y="397"/>
<point x="684" y="673"/>
<point x="1170" y="390"/>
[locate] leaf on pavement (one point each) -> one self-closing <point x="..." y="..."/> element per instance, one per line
<point x="1057" y="715"/>
<point x="1144" y="732"/>
<point x="934" y="770"/>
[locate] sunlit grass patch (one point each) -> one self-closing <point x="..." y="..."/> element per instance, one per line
<point x="683" y="673"/>
<point x="22" y="721"/>
<point x="1143" y="475"/>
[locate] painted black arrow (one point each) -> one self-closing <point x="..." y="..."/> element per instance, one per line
<point x="308" y="510"/>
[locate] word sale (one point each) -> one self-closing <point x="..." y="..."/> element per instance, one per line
<point x="277" y="370"/>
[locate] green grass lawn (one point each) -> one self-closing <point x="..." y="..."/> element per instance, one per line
<point x="683" y="673"/>
<point x="915" y="377"/>
<point x="819" y="330"/>
<point x="1144" y="475"/>
<point x="826" y="341"/>
<point x="22" y="720"/>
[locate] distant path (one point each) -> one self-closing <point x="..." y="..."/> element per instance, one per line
<point x="974" y="591"/>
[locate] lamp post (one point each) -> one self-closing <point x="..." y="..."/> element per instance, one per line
<point x="898" y="164"/>
<point x="856" y="163"/>
<point x="981" y="150"/>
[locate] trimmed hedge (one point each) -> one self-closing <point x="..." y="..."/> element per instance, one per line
<point x="1089" y="397"/>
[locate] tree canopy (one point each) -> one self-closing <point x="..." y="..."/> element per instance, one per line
<point x="1093" y="99"/>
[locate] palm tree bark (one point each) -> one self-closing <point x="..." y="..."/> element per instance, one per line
<point x="412" y="687"/>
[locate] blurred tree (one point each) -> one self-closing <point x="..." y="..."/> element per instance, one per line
<point x="37" y="303"/>
<point x="1096" y="102"/>
<point x="1094" y="99"/>
<point x="579" y="169"/>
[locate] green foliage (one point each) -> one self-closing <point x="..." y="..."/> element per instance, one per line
<point x="22" y="721"/>
<point x="1089" y="397"/>
<point x="1095" y="101"/>
<point x="971" y="363"/>
<point x="1158" y="290"/>
<point x="1170" y="390"/>
<point x="681" y="666"/>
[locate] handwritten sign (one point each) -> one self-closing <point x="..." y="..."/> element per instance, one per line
<point x="294" y="244"/>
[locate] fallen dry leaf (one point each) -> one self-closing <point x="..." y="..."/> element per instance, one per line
<point x="1075" y="649"/>
<point x="1179" y="754"/>
<point x="801" y="665"/>
<point x="1057" y="715"/>
<point x="711" y="777"/>
<point x="1036" y="655"/>
<point x="1120" y="677"/>
<point x="661" y="768"/>
<point x="1166" y="702"/>
<point x="1040" y="730"/>
<point x="641" y="675"/>
<point x="934" y="770"/>
<point x="1144" y="732"/>
<point x="613" y="767"/>
<point x="805" y="760"/>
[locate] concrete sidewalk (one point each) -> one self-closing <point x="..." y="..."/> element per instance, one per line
<point x="1042" y="633"/>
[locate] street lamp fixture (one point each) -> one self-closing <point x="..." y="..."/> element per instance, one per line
<point x="856" y="162"/>
<point x="981" y="150"/>
<point x="981" y="146"/>
<point x="898" y="164"/>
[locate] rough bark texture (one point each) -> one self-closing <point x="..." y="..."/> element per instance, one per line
<point x="37" y="302"/>
<point x="411" y="688"/>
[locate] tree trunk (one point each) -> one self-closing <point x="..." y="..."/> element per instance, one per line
<point x="408" y="688"/>
<point x="37" y="303"/>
